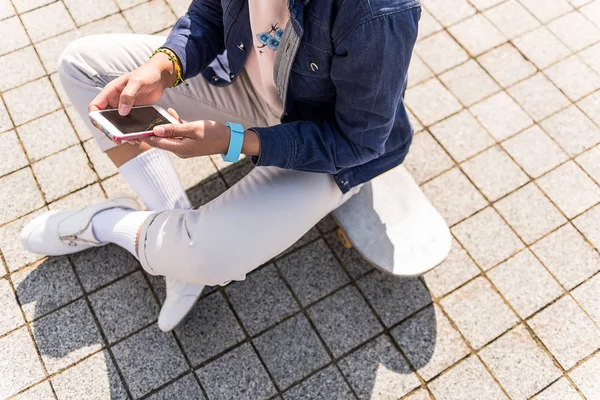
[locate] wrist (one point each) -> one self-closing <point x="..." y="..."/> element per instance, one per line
<point x="168" y="73"/>
<point x="251" y="146"/>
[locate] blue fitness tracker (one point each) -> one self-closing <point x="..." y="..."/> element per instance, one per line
<point x="235" y="143"/>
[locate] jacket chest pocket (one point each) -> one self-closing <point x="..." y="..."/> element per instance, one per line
<point x="310" y="76"/>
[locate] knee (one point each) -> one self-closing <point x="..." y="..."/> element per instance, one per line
<point x="76" y="58"/>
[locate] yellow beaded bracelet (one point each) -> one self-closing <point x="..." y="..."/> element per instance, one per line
<point x="173" y="58"/>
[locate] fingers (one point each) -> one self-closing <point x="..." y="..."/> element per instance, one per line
<point x="174" y="115"/>
<point x="174" y="145"/>
<point x="109" y="96"/>
<point x="175" y="131"/>
<point x="128" y="95"/>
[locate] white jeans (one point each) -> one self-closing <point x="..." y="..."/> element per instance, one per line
<point x="255" y="220"/>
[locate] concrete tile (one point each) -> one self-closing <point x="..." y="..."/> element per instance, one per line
<point x="559" y="390"/>
<point x="574" y="78"/>
<point x="62" y="95"/>
<point x="47" y="135"/>
<point x="206" y="192"/>
<point x="479" y="312"/>
<point x="512" y="19"/>
<point x="310" y="236"/>
<point x="116" y="185"/>
<point x="193" y="171"/>
<point x="124" y="4"/>
<point x="589" y="161"/>
<point x="546" y="11"/>
<point x="575" y="39"/>
<point x="82" y="131"/>
<point x="262" y="299"/>
<point x="84" y="11"/>
<point x="477" y="34"/>
<point x="19" y="67"/>
<point x="579" y="3"/>
<point x="585" y="377"/>
<point x="431" y="102"/>
<point x="587" y="223"/>
<point x="541" y="47"/>
<point x="530" y="213"/>
<point x="103" y="166"/>
<point x="47" y="21"/>
<point x="469" y="82"/>
<point x="587" y="297"/>
<point x="506" y="65"/>
<point x="52" y="179"/>
<point x="414" y="122"/>
<point x="393" y="298"/>
<point x="209" y="329"/>
<point x="485" y="4"/>
<point x="418" y="71"/>
<point x="101" y="265"/>
<point x="592" y="12"/>
<point x="26" y="5"/>
<point x="225" y="166"/>
<point x="449" y="12"/>
<point x="561" y="183"/>
<point x="14" y="254"/>
<point x="96" y="377"/>
<point x="312" y="272"/>
<point x="534" y="151"/>
<point x="572" y="130"/>
<point x="566" y="331"/>
<point x="12" y="153"/>
<point x="441" y="52"/>
<point x="291" y="351"/>
<point x="501" y="116"/>
<point x="454" y="196"/>
<point x="568" y="256"/>
<point x="50" y="50"/>
<point x="326" y="383"/>
<point x="44" y="287"/>
<point x="420" y="394"/>
<point x="467" y="381"/>
<point x="515" y="356"/>
<point x="79" y="199"/>
<point x="6" y="9"/>
<point x="19" y="363"/>
<point x="115" y="23"/>
<point x="426" y="158"/>
<point x="351" y="324"/>
<point x="185" y="388"/>
<point x="591" y="56"/>
<point x="40" y="93"/>
<point x="11" y="314"/>
<point x="13" y="35"/>
<point x="352" y="261"/>
<point x="148" y="360"/>
<point x="233" y="176"/>
<point x="236" y="375"/>
<point x="38" y="392"/>
<point x="430" y="342"/>
<point x="538" y="96"/>
<point x="378" y="371"/>
<point x="12" y="188"/>
<point x="5" y="122"/>
<point x="180" y="7"/>
<point x="494" y="173"/>
<point x="66" y="336"/>
<point x="150" y="17"/>
<point x="487" y="238"/>
<point x="428" y="25"/>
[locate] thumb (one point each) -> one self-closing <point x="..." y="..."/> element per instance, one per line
<point x="180" y="130"/>
<point x="128" y="96"/>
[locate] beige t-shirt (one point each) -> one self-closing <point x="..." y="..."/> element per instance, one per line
<point x="268" y="18"/>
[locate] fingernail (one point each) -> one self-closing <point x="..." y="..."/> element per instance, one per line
<point x="124" y="109"/>
<point x="159" y="130"/>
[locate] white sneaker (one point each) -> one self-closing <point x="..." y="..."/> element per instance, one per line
<point x="181" y="297"/>
<point x="57" y="233"/>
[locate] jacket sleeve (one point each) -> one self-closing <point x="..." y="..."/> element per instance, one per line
<point x="197" y="37"/>
<point x="369" y="70"/>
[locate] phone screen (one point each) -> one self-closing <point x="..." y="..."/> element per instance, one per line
<point x="138" y="120"/>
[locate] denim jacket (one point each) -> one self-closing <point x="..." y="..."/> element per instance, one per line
<point x="342" y="79"/>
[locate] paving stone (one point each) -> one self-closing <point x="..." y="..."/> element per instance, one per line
<point x="575" y="39"/>
<point x="40" y="93"/>
<point x="538" y="96"/>
<point x="10" y="244"/>
<point x="457" y="269"/>
<point x="209" y="329"/>
<point x="26" y="5"/>
<point x="206" y="192"/>
<point x="38" y="392"/>
<point x="116" y="185"/>
<point x="515" y="356"/>
<point x="308" y="237"/>
<point x="572" y="130"/>
<point x="420" y="394"/>
<point x="50" y="50"/>
<point x="6" y="9"/>
<point x="94" y="378"/>
<point x="534" y="151"/>
<point x="327" y="224"/>
<point x="14" y="204"/>
<point x="559" y="390"/>
<point x="100" y="265"/>
<point x="566" y="331"/>
<point x="11" y="314"/>
<point x="574" y="78"/>
<point x="592" y="12"/>
<point x="426" y="158"/>
<point x="512" y="19"/>
<point x="291" y="351"/>
<point x="449" y="12"/>
<point x="149" y="359"/>
<point x="13" y="35"/>
<point x="185" y="388"/>
<point x="236" y="375"/>
<point x="103" y="166"/>
<point x="19" y="363"/>
<point x="501" y="116"/>
<point x="351" y="324"/>
<point x="62" y="95"/>
<point x="485" y="4"/>
<point x="585" y="377"/>
<point x="506" y="65"/>
<point x="454" y="196"/>
<point x="429" y="342"/>
<point x="84" y="11"/>
<point x="47" y="21"/>
<point x="589" y="161"/>
<point x="428" y="25"/>
<point x="115" y="23"/>
<point x="477" y="34"/>
<point x="392" y="297"/>
<point x="13" y="155"/>
<point x="19" y="67"/>
<point x="530" y="213"/>
<point x="469" y="82"/>
<point x="80" y="128"/>
<point x="494" y="173"/>
<point x="44" y="287"/>
<point x="352" y="261"/>
<point x="568" y="256"/>
<point x="587" y="297"/>
<point x="579" y="3"/>
<point x="328" y="383"/>
<point x="82" y="198"/>
<point x="233" y="176"/>
<point x="377" y="371"/>
<point x="123" y="4"/>
<point x="591" y="56"/>
<point x="262" y="299"/>
<point x="541" y="47"/>
<point x="312" y="272"/>
<point x="479" y="312"/>
<point x="461" y="135"/>
<point x="150" y="17"/>
<point x="546" y="11"/>
<point x="193" y="171"/>
<point x="225" y="166"/>
<point x="431" y="102"/>
<point x="180" y="7"/>
<point x="565" y="180"/>
<point x="66" y="336"/>
<point x="52" y="179"/>
<point x="418" y="71"/>
<point x="47" y="135"/>
<point x="587" y="223"/>
<point x="467" y="381"/>
<point x="5" y="122"/>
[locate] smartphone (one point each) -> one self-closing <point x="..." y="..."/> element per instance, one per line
<point x="139" y="123"/>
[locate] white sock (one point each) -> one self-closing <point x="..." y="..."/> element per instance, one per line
<point x="119" y="226"/>
<point x="153" y="178"/>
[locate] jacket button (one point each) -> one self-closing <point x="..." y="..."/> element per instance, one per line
<point x="231" y="75"/>
<point x="215" y="78"/>
<point x="344" y="182"/>
<point x="314" y="67"/>
<point x="241" y="46"/>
